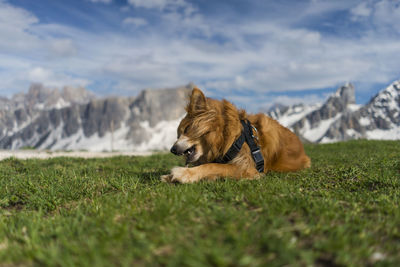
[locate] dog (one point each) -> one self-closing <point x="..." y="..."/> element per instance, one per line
<point x="210" y="130"/>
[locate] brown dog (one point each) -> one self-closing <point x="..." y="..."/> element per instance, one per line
<point x="209" y="129"/>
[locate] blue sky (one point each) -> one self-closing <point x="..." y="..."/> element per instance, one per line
<point x="252" y="52"/>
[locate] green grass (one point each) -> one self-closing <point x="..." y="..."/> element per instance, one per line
<point x="101" y="212"/>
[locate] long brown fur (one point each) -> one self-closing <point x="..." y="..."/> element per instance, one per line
<point x="212" y="126"/>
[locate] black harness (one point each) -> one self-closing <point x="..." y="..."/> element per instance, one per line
<point x="246" y="135"/>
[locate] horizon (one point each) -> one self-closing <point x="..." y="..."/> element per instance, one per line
<point x="249" y="52"/>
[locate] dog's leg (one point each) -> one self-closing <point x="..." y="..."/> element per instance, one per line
<point x="210" y="171"/>
<point x="166" y="178"/>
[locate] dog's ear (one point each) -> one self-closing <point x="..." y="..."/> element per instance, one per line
<point x="197" y="102"/>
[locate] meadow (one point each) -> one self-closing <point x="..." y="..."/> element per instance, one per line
<point x="343" y="211"/>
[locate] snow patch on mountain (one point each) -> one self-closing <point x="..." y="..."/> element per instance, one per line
<point x="353" y="107"/>
<point x="391" y="134"/>
<point x="288" y="115"/>
<point x="108" y="142"/>
<point x="163" y="135"/>
<point x="316" y="133"/>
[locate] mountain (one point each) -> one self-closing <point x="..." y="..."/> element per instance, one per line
<point x="74" y="119"/>
<point x="379" y="119"/>
<point x="340" y="119"/>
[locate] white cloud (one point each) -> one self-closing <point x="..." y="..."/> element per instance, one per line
<point x="101" y="1"/>
<point x="39" y="74"/>
<point x="361" y="10"/>
<point x="387" y="13"/>
<point x="15" y="17"/>
<point x="136" y="22"/>
<point x="14" y="23"/>
<point x="284" y="59"/>
<point x="383" y="14"/>
<point x="51" y="79"/>
<point x="165" y="5"/>
<point x="63" y="47"/>
<point x="159" y="4"/>
<point x="290" y="59"/>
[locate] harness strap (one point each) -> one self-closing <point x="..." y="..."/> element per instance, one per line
<point x="246" y="135"/>
<point x="233" y="150"/>
<point x="255" y="149"/>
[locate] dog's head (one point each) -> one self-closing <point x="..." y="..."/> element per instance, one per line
<point x="200" y="133"/>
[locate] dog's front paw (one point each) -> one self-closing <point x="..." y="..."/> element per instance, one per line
<point x="166" y="178"/>
<point x="183" y="175"/>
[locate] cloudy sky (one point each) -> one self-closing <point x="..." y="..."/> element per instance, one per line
<point x="253" y="52"/>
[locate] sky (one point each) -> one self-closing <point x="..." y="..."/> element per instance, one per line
<point x="252" y="52"/>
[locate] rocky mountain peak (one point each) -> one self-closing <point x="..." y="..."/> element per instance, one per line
<point x="38" y="93"/>
<point x="153" y="105"/>
<point x="338" y="102"/>
<point x="77" y="94"/>
<point x="346" y="94"/>
<point x="385" y="107"/>
<point x="390" y="97"/>
<point x="316" y="123"/>
<point x="40" y="97"/>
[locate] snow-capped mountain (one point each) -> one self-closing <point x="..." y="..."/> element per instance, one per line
<point x="73" y="119"/>
<point x="379" y="119"/>
<point x="48" y="119"/>
<point x="340" y="119"/>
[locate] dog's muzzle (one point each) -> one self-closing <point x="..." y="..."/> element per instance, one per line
<point x="174" y="150"/>
<point x="177" y="150"/>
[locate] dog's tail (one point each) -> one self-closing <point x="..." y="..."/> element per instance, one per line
<point x="289" y="165"/>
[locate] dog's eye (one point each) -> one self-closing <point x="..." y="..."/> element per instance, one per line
<point x="182" y="131"/>
<point x="186" y="129"/>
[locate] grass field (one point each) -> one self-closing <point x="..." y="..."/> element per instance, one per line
<point x="101" y="212"/>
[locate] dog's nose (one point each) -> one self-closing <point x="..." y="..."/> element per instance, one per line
<point x="174" y="150"/>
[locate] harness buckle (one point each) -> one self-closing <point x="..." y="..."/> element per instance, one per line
<point x="258" y="160"/>
<point x="257" y="156"/>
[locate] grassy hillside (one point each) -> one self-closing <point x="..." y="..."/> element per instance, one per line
<point x="97" y="212"/>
